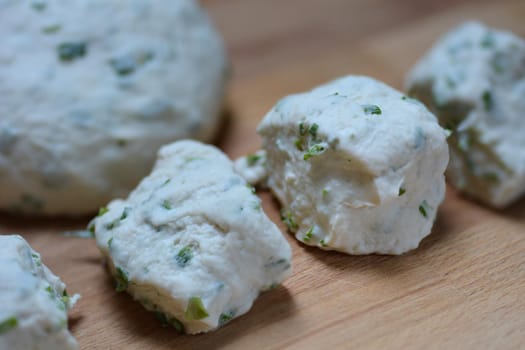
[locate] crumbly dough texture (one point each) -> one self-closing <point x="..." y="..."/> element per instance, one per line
<point x="34" y="302"/>
<point x="357" y="166"/>
<point x="90" y="90"/>
<point x="473" y="79"/>
<point x="192" y="242"/>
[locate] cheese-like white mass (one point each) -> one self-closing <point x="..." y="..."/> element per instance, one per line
<point x="357" y="166"/>
<point x="473" y="79"/>
<point x="192" y="242"/>
<point x="34" y="301"/>
<point x="90" y="90"/>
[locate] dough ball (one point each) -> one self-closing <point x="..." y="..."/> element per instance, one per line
<point x="192" y="242"/>
<point x="90" y="89"/>
<point x="473" y="79"/>
<point x="357" y="166"/>
<point x="34" y="301"/>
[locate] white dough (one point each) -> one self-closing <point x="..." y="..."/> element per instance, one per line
<point x="192" y="241"/>
<point x="34" y="305"/>
<point x="474" y="81"/>
<point x="90" y="90"/>
<point x="357" y="166"/>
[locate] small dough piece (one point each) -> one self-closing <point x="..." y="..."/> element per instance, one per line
<point x="91" y="89"/>
<point x="192" y="241"/>
<point x="357" y="166"/>
<point x="34" y="301"/>
<point x="252" y="167"/>
<point x="473" y="79"/>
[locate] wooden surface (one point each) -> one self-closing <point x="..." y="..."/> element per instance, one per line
<point x="463" y="288"/>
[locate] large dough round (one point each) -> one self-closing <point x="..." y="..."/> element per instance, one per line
<point x="90" y="89"/>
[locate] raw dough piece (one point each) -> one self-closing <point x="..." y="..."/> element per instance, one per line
<point x="474" y="81"/>
<point x="34" y="301"/>
<point x="357" y="166"/>
<point x="90" y="90"/>
<point x="192" y="241"/>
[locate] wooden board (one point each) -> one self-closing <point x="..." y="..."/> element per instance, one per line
<point x="463" y="288"/>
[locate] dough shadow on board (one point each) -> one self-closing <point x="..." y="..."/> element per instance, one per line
<point x="516" y="210"/>
<point x="224" y="127"/>
<point x="14" y="223"/>
<point x="389" y="265"/>
<point x="269" y="308"/>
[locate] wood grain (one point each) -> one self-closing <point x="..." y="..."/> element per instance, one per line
<point x="463" y="288"/>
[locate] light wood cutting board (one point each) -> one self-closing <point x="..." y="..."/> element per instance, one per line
<point x="463" y="288"/>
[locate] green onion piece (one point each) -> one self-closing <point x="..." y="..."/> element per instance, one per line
<point x="372" y="109"/>
<point x="315" y="150"/>
<point x="402" y="191"/>
<point x="423" y="208"/>
<point x="8" y="324"/>
<point x="102" y="211"/>
<point x="313" y="130"/>
<point x="225" y="318"/>
<point x="252" y="159"/>
<point x="184" y="256"/>
<point x="487" y="100"/>
<point x="70" y="51"/>
<point x="309" y="234"/>
<point x="195" y="309"/>
<point x="122" y="280"/>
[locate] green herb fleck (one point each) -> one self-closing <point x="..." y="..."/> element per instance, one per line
<point x="70" y="51"/>
<point x="127" y="64"/>
<point x="299" y="144"/>
<point x="52" y="28"/>
<point x="166" y="321"/>
<point x="251" y="188"/>
<point x="287" y="218"/>
<point x="102" y="211"/>
<point x="121" y="280"/>
<point x="315" y="150"/>
<point x="51" y="292"/>
<point x="184" y="256"/>
<point x="488" y="41"/>
<point x="324" y="192"/>
<point x="125" y="213"/>
<point x="65" y="298"/>
<point x="91" y="228"/>
<point x="111" y="225"/>
<point x="226" y="317"/>
<point x="308" y="235"/>
<point x="8" y="324"/>
<point x="110" y="243"/>
<point x="372" y="109"/>
<point x="302" y="129"/>
<point x="36" y="259"/>
<point x="123" y="66"/>
<point x="323" y="243"/>
<point x="487" y="100"/>
<point x="195" y="309"/>
<point x="38" y="5"/>
<point x="252" y="159"/>
<point x="166" y="204"/>
<point x="402" y="191"/>
<point x="423" y="208"/>
<point x="313" y="130"/>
